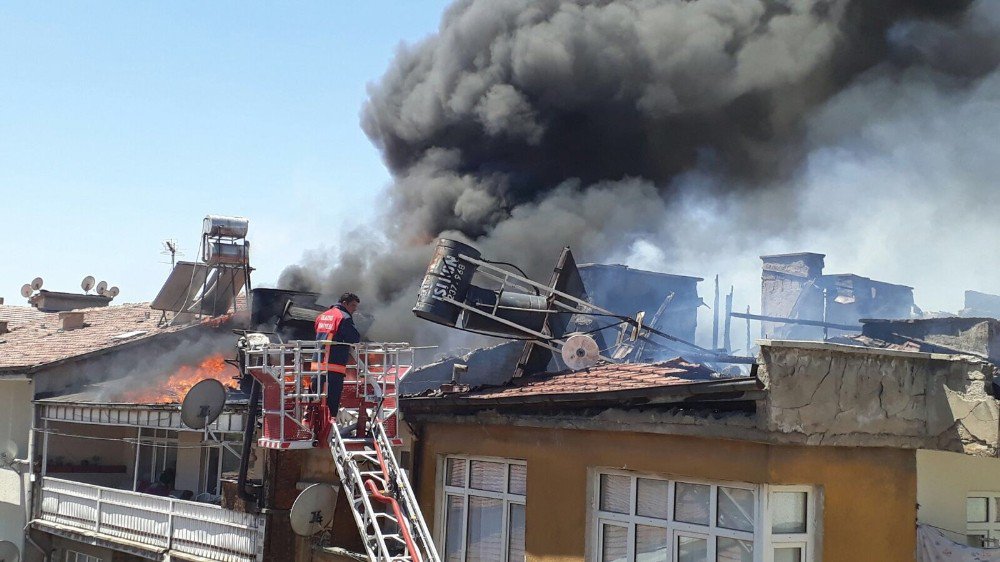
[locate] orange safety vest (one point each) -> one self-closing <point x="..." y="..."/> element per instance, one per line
<point x="327" y="326"/>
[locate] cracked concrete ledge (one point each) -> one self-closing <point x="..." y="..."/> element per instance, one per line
<point x="837" y="394"/>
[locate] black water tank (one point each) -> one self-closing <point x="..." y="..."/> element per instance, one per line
<point x="520" y="308"/>
<point x="447" y="276"/>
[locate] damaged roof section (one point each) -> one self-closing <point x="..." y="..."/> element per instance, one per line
<point x="607" y="385"/>
<point x="35" y="339"/>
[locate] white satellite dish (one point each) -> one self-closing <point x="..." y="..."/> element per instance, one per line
<point x="9" y="552"/>
<point x="26" y="290"/>
<point x="101" y="287"/>
<point x="88" y="283"/>
<point x="203" y="404"/>
<point x="36" y="283"/>
<point x="313" y="509"/>
<point x="580" y="351"/>
<point x="113" y="292"/>
<point x="8" y="454"/>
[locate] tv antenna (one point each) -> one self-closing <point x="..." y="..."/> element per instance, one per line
<point x="170" y="248"/>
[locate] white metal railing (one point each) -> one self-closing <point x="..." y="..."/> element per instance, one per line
<point x="203" y="530"/>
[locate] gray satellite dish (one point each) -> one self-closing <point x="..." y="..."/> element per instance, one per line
<point x="101" y="287"/>
<point x="203" y="404"/>
<point x="9" y="552"/>
<point x="88" y="283"/>
<point x="26" y="290"/>
<point x="113" y="292"/>
<point x="580" y="351"/>
<point x="313" y="509"/>
<point x="8" y="454"/>
<point x="36" y="283"/>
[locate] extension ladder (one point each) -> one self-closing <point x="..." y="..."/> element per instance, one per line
<point x="397" y="532"/>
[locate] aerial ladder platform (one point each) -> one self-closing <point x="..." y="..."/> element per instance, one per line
<point x="361" y="439"/>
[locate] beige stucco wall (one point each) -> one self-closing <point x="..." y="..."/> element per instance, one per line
<point x="15" y="424"/>
<point x="869" y="494"/>
<point x="943" y="482"/>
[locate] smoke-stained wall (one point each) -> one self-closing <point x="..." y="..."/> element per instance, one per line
<point x="673" y="136"/>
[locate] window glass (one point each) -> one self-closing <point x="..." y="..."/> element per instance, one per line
<point x="735" y="509"/>
<point x="691" y="503"/>
<point x="486" y="475"/>
<point x="518" y="479"/>
<point x="976" y="540"/>
<point x="788" y="554"/>
<point x="614" y="543"/>
<point x="483" y="537"/>
<point x="788" y="512"/>
<point x="651" y="498"/>
<point x="691" y="549"/>
<point x="733" y="550"/>
<point x="453" y="541"/>
<point x="615" y="493"/>
<point x="975" y="509"/>
<point x="652" y="544"/>
<point x="515" y="532"/>
<point x="456" y="473"/>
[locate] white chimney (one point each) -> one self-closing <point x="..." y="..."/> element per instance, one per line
<point x="70" y="320"/>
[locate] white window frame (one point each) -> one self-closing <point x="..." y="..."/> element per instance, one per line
<point x="441" y="500"/>
<point x="74" y="556"/>
<point x="809" y="541"/>
<point x="990" y="530"/>
<point x="762" y="539"/>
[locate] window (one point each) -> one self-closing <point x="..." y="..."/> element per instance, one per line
<point x="74" y="556"/>
<point x="645" y="518"/>
<point x="982" y="516"/>
<point x="482" y="513"/>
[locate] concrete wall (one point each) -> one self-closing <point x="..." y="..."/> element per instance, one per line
<point x="15" y="424"/>
<point x="869" y="494"/>
<point x="943" y="482"/>
<point x="845" y="395"/>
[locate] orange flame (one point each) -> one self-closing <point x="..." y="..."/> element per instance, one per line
<point x="174" y="388"/>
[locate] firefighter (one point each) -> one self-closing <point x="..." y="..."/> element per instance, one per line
<point x="336" y="325"/>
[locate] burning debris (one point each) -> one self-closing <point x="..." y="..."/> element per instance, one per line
<point x="662" y="133"/>
<point x="171" y="390"/>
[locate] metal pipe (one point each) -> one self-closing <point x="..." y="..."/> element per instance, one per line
<point x="845" y="327"/>
<point x="248" y="431"/>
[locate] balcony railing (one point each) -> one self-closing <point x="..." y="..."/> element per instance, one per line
<point x="198" y="529"/>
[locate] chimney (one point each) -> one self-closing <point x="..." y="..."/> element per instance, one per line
<point x="3" y="327"/>
<point x="70" y="320"/>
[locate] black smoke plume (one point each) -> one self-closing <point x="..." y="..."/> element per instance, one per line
<point x="681" y="130"/>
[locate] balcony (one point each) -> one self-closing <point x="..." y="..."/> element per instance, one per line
<point x="150" y="526"/>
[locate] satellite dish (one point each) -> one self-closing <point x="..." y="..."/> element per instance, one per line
<point x="101" y="287"/>
<point x="88" y="283"/>
<point x="26" y="290"/>
<point x="580" y="351"/>
<point x="9" y="552"/>
<point x="8" y="455"/>
<point x="113" y="292"/>
<point x="36" y="283"/>
<point x="313" y="509"/>
<point x="203" y="404"/>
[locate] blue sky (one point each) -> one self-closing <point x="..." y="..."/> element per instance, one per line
<point x="124" y="124"/>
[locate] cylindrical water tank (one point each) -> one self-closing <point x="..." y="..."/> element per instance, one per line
<point x="222" y="253"/>
<point x="217" y="225"/>
<point x="520" y="308"/>
<point x="447" y="276"/>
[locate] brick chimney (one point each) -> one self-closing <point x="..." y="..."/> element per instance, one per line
<point x="70" y="320"/>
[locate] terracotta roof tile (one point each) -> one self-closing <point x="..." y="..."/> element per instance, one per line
<point x="35" y="338"/>
<point x="602" y="378"/>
